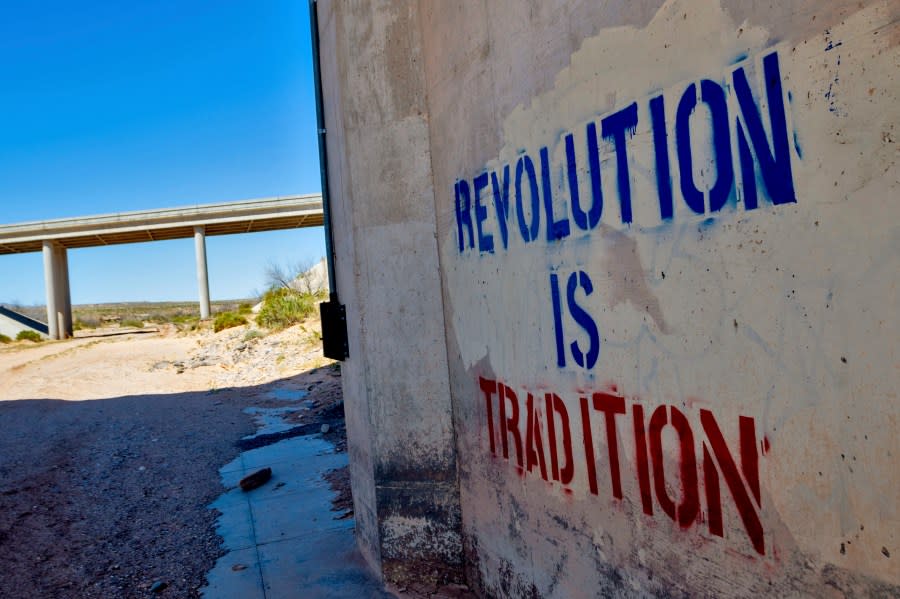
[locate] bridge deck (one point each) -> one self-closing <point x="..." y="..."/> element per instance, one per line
<point x="247" y="216"/>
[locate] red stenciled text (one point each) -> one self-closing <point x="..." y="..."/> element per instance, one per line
<point x="535" y="432"/>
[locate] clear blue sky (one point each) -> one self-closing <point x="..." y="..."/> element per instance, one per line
<point x="108" y="106"/>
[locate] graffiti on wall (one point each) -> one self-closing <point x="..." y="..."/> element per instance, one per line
<point x="743" y="154"/>
<point x="742" y="149"/>
<point x="534" y="432"/>
<point x="576" y="251"/>
<point x="748" y="153"/>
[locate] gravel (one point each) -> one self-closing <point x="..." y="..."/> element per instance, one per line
<point x="92" y="506"/>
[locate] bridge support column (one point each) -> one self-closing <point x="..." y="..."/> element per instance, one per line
<point x="56" y="283"/>
<point x="66" y="327"/>
<point x="50" y="267"/>
<point x="202" y="274"/>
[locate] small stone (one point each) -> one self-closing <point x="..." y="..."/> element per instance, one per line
<point x="885" y="552"/>
<point x="325" y="428"/>
<point x="158" y="586"/>
<point x="257" y="479"/>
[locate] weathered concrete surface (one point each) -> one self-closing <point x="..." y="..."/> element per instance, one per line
<point x="720" y="332"/>
<point x="781" y="314"/>
<point x="402" y="454"/>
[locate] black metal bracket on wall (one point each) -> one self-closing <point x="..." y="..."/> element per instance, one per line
<point x="334" y="330"/>
<point x="332" y="312"/>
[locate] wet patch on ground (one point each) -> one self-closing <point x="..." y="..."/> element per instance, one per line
<point x="292" y="536"/>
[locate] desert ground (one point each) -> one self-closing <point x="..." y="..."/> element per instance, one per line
<point x="110" y="445"/>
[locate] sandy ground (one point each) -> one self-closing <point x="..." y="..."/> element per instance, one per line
<point x="109" y="363"/>
<point x="98" y="367"/>
<point x="110" y="448"/>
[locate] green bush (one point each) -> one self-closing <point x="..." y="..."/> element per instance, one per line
<point x="4" y="339"/>
<point x="29" y="336"/>
<point x="284" y="307"/>
<point x="245" y="309"/>
<point x="129" y="324"/>
<point x="227" y="320"/>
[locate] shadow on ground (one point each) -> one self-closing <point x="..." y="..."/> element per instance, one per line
<point x="107" y="498"/>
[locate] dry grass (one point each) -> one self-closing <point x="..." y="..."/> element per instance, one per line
<point x="134" y="314"/>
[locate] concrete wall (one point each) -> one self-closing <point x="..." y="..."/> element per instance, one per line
<point x="396" y="383"/>
<point x="10" y="327"/>
<point x="683" y="381"/>
<point x="12" y="323"/>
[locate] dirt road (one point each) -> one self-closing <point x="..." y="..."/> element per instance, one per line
<point x="109" y="451"/>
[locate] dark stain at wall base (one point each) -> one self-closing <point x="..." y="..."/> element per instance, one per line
<point x="428" y="551"/>
<point x="421" y="572"/>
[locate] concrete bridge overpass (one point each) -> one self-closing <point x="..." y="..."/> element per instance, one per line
<point x="55" y="237"/>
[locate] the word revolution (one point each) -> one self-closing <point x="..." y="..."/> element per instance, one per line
<point x="741" y="148"/>
<point x="535" y="431"/>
